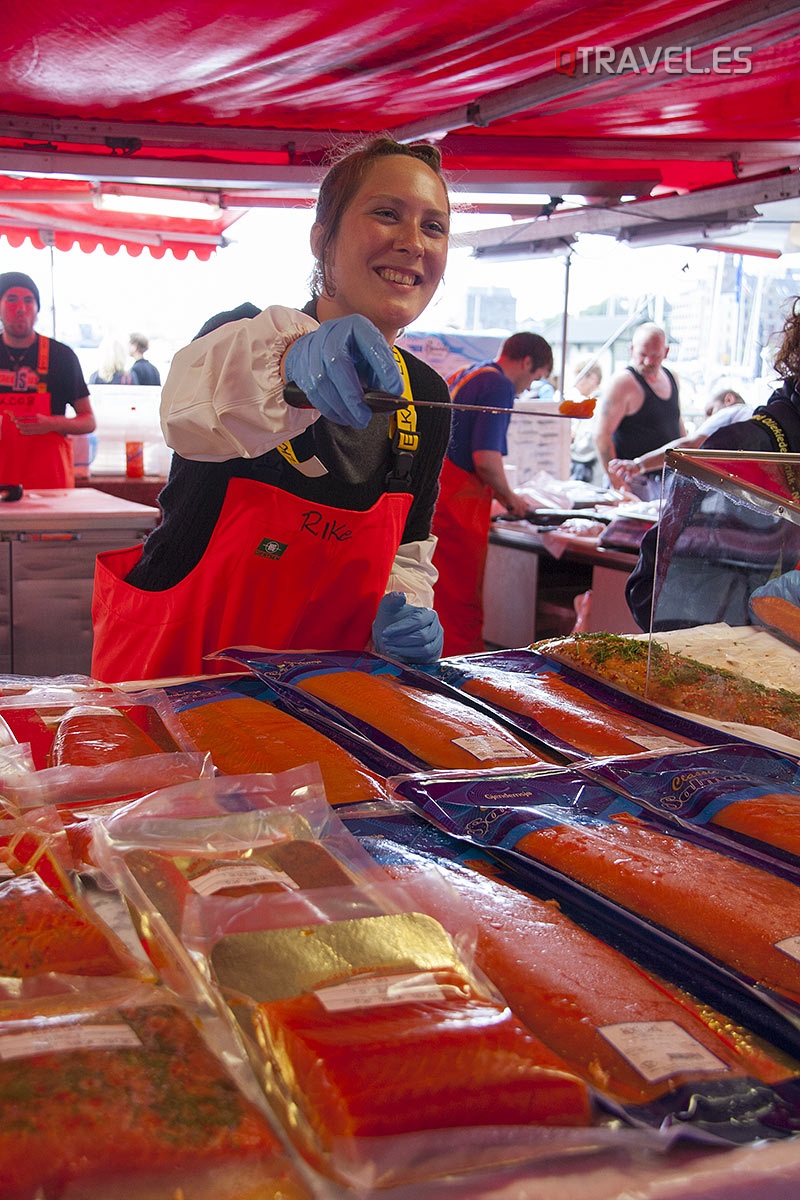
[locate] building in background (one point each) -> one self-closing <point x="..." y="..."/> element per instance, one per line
<point x="490" y="308"/>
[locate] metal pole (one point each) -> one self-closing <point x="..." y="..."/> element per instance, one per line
<point x="609" y="341"/>
<point x="564" y="322"/>
<point x="48" y="237"/>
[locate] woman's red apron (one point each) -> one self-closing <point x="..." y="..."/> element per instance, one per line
<point x="41" y="460"/>
<point x="297" y="576"/>
<point x="461" y="523"/>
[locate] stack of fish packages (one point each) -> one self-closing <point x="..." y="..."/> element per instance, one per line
<point x="527" y="810"/>
<point x="480" y="961"/>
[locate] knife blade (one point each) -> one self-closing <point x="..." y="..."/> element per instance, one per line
<point x="380" y="401"/>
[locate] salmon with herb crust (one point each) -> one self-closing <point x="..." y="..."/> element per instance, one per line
<point x="149" y="1097"/>
<point x="675" y="681"/>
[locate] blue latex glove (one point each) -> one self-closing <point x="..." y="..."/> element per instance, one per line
<point x="785" y="587"/>
<point x="333" y="365"/>
<point x="406" y="631"/>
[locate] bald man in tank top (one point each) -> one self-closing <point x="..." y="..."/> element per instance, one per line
<point x="641" y="409"/>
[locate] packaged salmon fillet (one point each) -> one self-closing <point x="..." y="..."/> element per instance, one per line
<point x="89" y="728"/>
<point x="43" y="932"/>
<point x="747" y="794"/>
<point x="81" y="796"/>
<point x="636" y="1038"/>
<point x="733" y="925"/>
<point x="225" y="837"/>
<point x="117" y="1093"/>
<point x="399" y="709"/>
<point x="370" y="1028"/>
<point x="246" y="729"/>
<point x="565" y="711"/>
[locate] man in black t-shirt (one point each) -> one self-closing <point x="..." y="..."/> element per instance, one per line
<point x="142" y="370"/>
<point x="39" y="379"/>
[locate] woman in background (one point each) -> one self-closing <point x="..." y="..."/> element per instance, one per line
<point x="110" y="363"/>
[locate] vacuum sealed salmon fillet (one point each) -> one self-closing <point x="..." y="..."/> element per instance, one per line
<point x="633" y="1037"/>
<point x="103" y="1097"/>
<point x="169" y="880"/>
<point x="574" y="718"/>
<point x="443" y="1058"/>
<point x="92" y="736"/>
<point x="233" y="841"/>
<point x="372" y="1026"/>
<point x="436" y="729"/>
<point x="101" y="726"/>
<point x="773" y="820"/>
<point x="403" y="712"/>
<point x="712" y="899"/>
<point x="742" y="916"/>
<point x="244" y="735"/>
<point x="748" y="792"/>
<point x="40" y="932"/>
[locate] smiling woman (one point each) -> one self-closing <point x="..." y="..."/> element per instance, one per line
<point x="380" y="240"/>
<point x="269" y="508"/>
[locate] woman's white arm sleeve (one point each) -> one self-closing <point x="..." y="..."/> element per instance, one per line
<point x="223" y="396"/>
<point x="413" y="572"/>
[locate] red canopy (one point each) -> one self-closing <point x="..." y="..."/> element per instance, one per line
<point x="601" y="100"/>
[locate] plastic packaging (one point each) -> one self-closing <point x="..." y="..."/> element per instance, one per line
<point x="134" y="452"/>
<point x="153" y="1112"/>
<point x="398" y="708"/>
<point x="245" y="728"/>
<point x="637" y="1039"/>
<point x="686" y="905"/>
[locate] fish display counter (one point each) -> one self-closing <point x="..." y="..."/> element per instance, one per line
<point x="504" y="927"/>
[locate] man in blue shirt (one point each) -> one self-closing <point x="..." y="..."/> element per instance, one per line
<point x="472" y="476"/>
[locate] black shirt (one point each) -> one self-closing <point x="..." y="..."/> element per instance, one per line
<point x="143" y="372"/>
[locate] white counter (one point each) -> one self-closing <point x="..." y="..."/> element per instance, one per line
<point x="49" y="541"/>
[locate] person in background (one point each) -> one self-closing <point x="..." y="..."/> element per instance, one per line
<point x="724" y="408"/>
<point x="547" y="389"/>
<point x="641" y="409"/>
<point x="301" y="528"/>
<point x="110" y="363"/>
<point x="39" y="379"/>
<point x="473" y="475"/>
<point x="773" y="427"/>
<point x="142" y="370"/>
<point x="583" y="452"/>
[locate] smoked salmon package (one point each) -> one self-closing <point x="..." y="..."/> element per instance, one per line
<point x="236" y="836"/>
<point x="669" y="897"/>
<point x="82" y="796"/>
<point x="385" y="1054"/>
<point x="574" y="715"/>
<point x="117" y="1092"/>
<point x="247" y="727"/>
<point x="55" y="930"/>
<point x="88" y="728"/>
<point x="404" y="712"/>
<point x="748" y="795"/>
<point x="646" y="1044"/>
